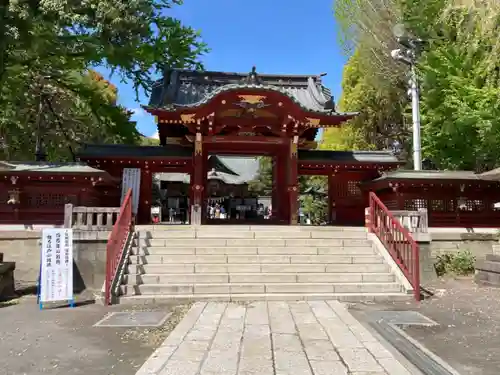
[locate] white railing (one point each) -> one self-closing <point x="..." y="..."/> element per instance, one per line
<point x="413" y="221"/>
<point x="90" y="218"/>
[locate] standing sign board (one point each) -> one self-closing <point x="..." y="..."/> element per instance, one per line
<point x="56" y="268"/>
<point x="131" y="179"/>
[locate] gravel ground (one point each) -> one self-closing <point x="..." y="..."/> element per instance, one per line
<point x="468" y="335"/>
<point x="64" y="341"/>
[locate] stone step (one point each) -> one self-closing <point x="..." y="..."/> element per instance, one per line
<point x="253" y="228"/>
<point x="344" y="297"/>
<point x="251" y="259"/>
<point x="240" y="234"/>
<point x="493" y="258"/>
<point x="488" y="266"/>
<point x="256" y="268"/>
<point x="353" y="250"/>
<point x="487" y="278"/>
<point x="220" y="278"/>
<point x="280" y="288"/>
<point x="221" y="242"/>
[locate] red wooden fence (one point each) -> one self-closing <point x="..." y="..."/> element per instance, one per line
<point x="397" y="240"/>
<point x="116" y="243"/>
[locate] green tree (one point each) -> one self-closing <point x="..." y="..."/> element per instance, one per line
<point x="46" y="51"/>
<point x="147" y="141"/>
<point x="314" y="198"/>
<point x="137" y="38"/>
<point x="381" y="108"/>
<point x="313" y="190"/>
<point x="263" y="184"/>
<point x="458" y="72"/>
<point x="460" y="90"/>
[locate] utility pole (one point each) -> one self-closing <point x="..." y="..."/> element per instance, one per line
<point x="39" y="152"/>
<point x="408" y="55"/>
<point x="415" y="111"/>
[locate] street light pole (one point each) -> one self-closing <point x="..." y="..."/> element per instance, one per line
<point x="39" y="152"/>
<point x="408" y="56"/>
<point x="415" y="111"/>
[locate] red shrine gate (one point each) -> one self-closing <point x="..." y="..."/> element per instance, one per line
<point x="203" y="113"/>
<point x="284" y="169"/>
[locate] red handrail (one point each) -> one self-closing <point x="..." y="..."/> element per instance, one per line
<point x="397" y="240"/>
<point x="116" y="243"/>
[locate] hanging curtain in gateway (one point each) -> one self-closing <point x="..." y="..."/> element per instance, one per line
<point x="131" y="179"/>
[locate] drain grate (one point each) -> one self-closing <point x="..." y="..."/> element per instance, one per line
<point x="386" y="324"/>
<point x="134" y="319"/>
<point x="403" y="318"/>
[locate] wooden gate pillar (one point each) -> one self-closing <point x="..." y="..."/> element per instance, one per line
<point x="275" y="194"/>
<point x="145" y="197"/>
<point x="331" y="199"/>
<point x="280" y="184"/>
<point x="293" y="181"/>
<point x="198" y="182"/>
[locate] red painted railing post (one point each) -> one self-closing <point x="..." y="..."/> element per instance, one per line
<point x="416" y="270"/>
<point x="397" y="240"/>
<point x="116" y="243"/>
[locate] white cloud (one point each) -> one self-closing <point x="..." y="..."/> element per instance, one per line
<point x="155" y="136"/>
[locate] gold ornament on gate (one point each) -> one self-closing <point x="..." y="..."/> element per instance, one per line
<point x="14" y="197"/>
<point x="198" y="145"/>
<point x="252" y="99"/>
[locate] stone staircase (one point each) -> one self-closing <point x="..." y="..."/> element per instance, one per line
<point x="488" y="271"/>
<point x="240" y="263"/>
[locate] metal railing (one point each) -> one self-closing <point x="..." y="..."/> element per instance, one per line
<point x="397" y="240"/>
<point x="117" y="242"/>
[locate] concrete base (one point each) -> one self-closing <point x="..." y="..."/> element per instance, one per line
<point x="488" y="271"/>
<point x="7" y="286"/>
<point x="89" y="253"/>
<point x="479" y="242"/>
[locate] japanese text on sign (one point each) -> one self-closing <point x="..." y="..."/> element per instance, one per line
<point x="56" y="271"/>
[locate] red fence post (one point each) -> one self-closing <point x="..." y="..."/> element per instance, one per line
<point x="397" y="240"/>
<point x="116" y="243"/>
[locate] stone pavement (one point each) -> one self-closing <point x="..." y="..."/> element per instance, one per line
<point x="271" y="338"/>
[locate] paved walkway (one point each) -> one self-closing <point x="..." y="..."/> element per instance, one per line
<point x="271" y="338"/>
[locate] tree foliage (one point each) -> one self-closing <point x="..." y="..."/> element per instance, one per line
<point x="263" y="184"/>
<point x="47" y="51"/>
<point x="147" y="141"/>
<point x="314" y="198"/>
<point x="381" y="120"/>
<point x="460" y="88"/>
<point x="313" y="190"/>
<point x="458" y="74"/>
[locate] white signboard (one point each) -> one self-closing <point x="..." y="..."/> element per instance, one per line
<point x="56" y="271"/>
<point x="131" y="179"/>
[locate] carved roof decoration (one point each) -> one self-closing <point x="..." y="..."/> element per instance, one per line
<point x="375" y="157"/>
<point x="45" y="167"/>
<point x="430" y="175"/>
<point x="183" y="89"/>
<point x="133" y="151"/>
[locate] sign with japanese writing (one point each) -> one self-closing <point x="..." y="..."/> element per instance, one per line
<point x="56" y="270"/>
<point x="131" y="179"/>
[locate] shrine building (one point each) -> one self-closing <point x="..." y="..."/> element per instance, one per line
<point x="205" y="121"/>
<point x="200" y="114"/>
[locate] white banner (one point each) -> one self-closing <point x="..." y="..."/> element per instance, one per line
<point x="56" y="271"/>
<point x="131" y="179"/>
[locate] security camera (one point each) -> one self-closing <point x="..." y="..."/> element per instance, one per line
<point x="395" y="54"/>
<point x="400" y="55"/>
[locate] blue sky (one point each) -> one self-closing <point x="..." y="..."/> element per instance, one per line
<point x="277" y="36"/>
